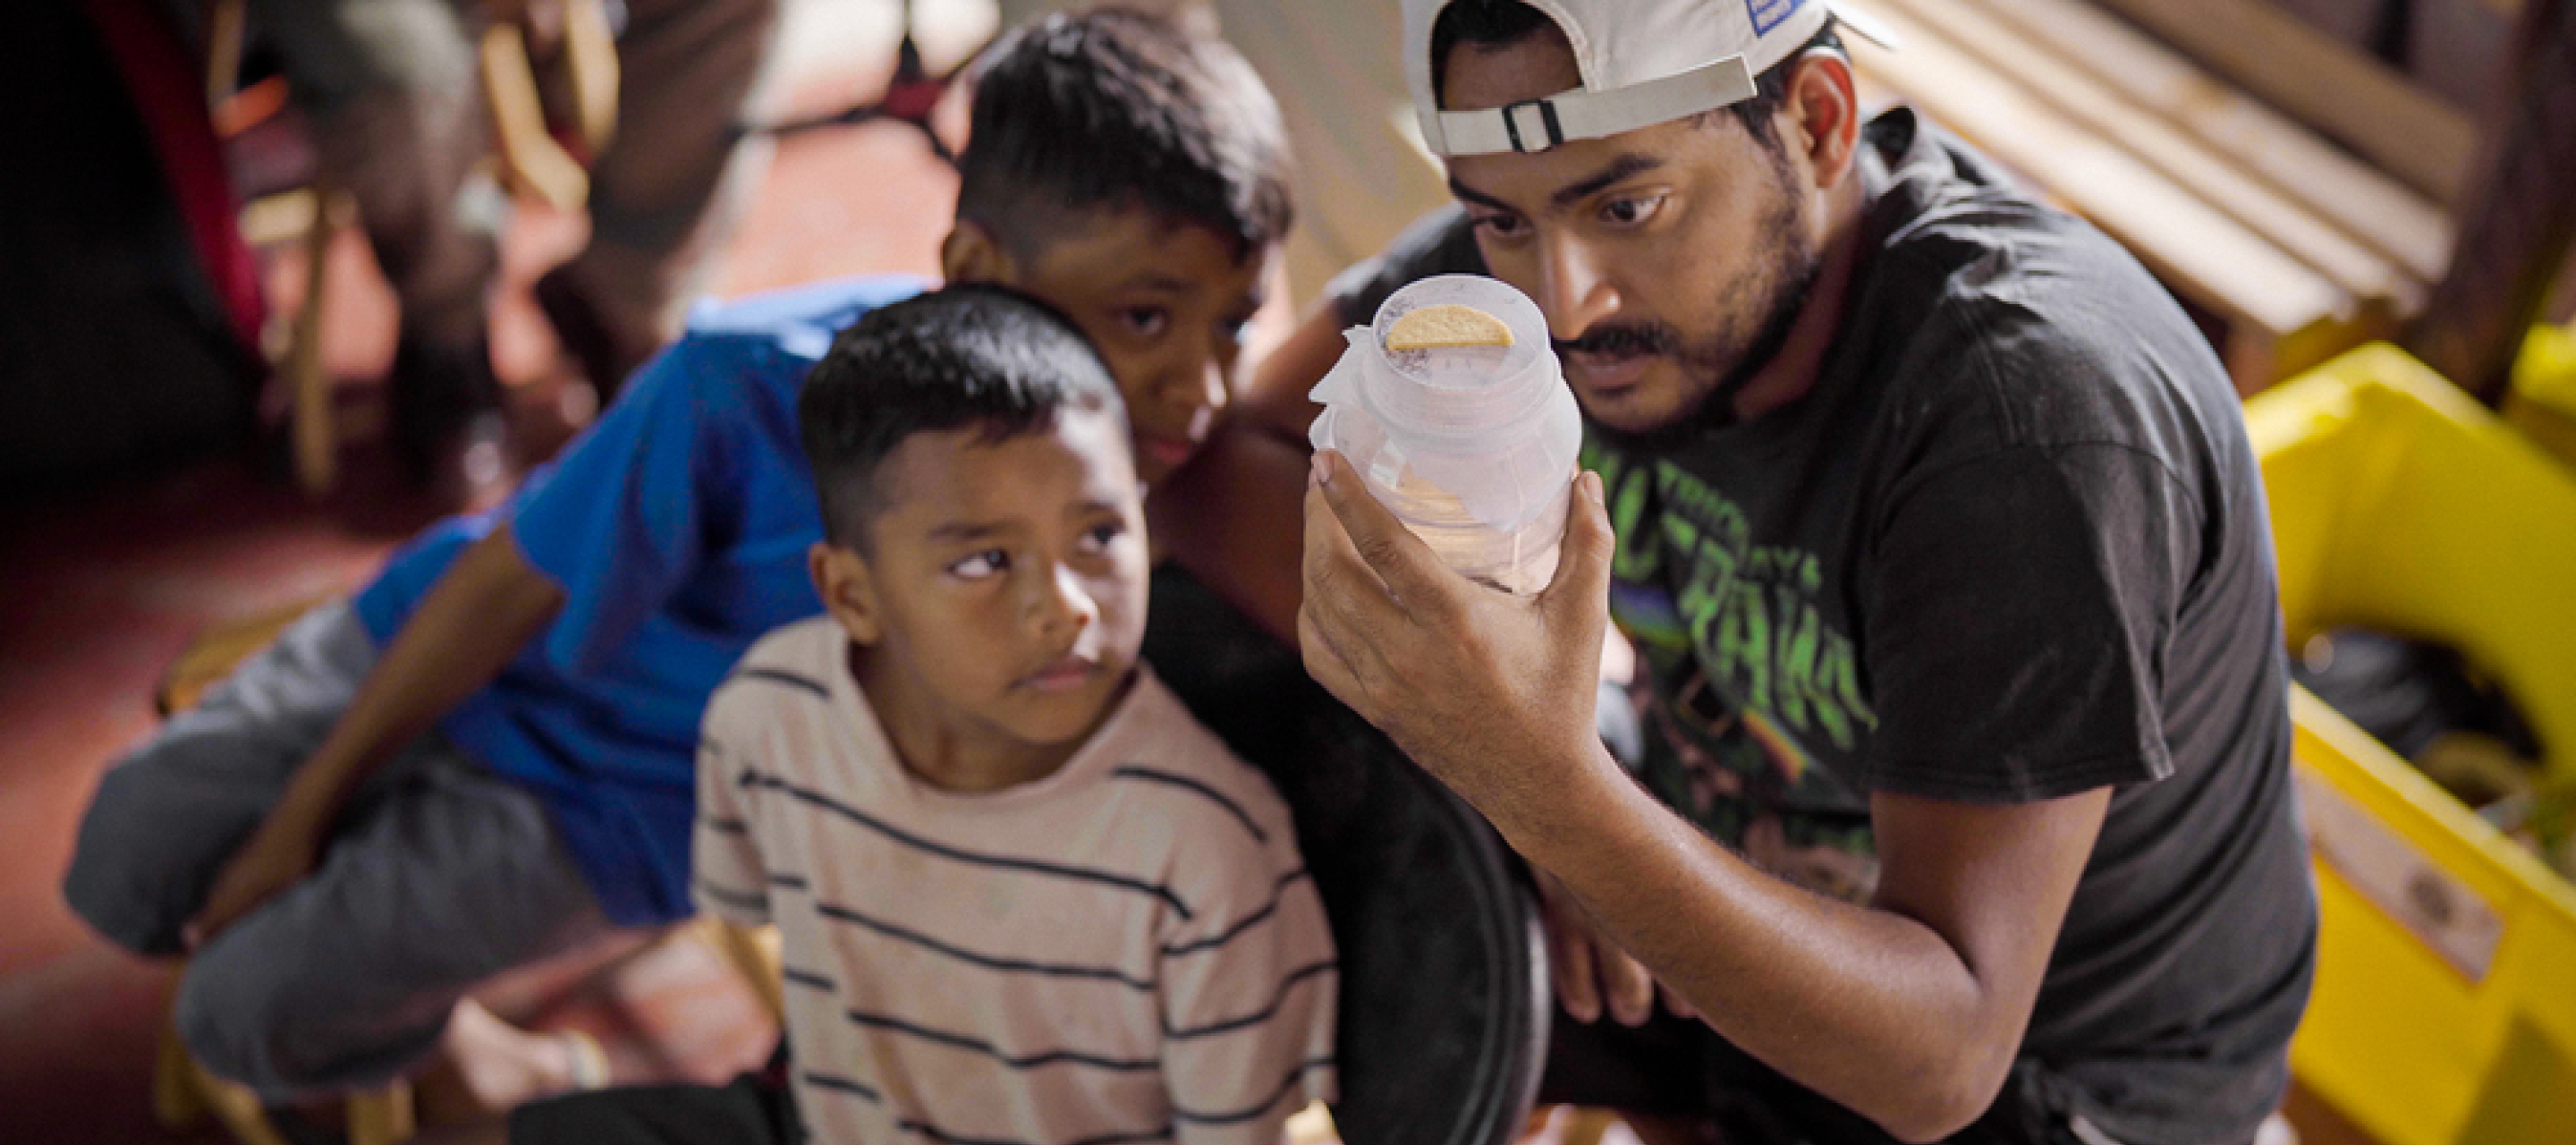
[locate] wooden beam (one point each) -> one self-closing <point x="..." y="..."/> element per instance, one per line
<point x="2361" y="200"/>
<point x="2518" y="226"/>
<point x="2264" y="295"/>
<point x="2359" y="270"/>
<point x="2352" y="97"/>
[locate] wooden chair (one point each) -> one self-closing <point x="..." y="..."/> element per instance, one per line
<point x="531" y="163"/>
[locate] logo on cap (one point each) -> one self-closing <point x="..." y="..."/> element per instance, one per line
<point x="1767" y="14"/>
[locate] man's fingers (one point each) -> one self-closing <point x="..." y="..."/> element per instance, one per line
<point x="1325" y="663"/>
<point x="1401" y="561"/>
<point x="1630" y="989"/>
<point x="1343" y="604"/>
<point x="1580" y="592"/>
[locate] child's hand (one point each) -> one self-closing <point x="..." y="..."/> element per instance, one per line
<point x="278" y="856"/>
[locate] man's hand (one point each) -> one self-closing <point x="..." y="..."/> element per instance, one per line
<point x="279" y="855"/>
<point x="1490" y="692"/>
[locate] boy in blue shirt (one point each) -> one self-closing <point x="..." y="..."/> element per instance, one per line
<point x="485" y="758"/>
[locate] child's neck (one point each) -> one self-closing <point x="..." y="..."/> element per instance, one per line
<point x="949" y="754"/>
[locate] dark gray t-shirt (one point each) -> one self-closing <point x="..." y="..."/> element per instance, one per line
<point x="2011" y="546"/>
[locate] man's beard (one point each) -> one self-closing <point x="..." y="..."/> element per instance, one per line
<point x="1734" y="355"/>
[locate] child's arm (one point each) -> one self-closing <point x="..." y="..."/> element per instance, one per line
<point x="726" y="876"/>
<point x="473" y="622"/>
<point x="1250" y="993"/>
<point x="609" y="536"/>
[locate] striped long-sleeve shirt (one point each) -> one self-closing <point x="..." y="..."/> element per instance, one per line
<point x="1128" y="950"/>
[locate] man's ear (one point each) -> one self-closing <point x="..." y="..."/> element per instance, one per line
<point x="849" y="593"/>
<point x="1824" y="107"/>
<point x="973" y="253"/>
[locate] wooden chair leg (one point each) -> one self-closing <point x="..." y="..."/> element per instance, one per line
<point x="315" y="439"/>
<point x="382" y="1117"/>
<point x="753" y="951"/>
<point x="532" y="162"/>
<point x="183" y="1085"/>
<point x="590" y="56"/>
<point x="226" y="21"/>
<point x="177" y="1103"/>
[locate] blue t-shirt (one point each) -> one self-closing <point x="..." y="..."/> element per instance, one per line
<point x="677" y="527"/>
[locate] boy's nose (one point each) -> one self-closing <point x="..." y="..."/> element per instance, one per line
<point x="1196" y="382"/>
<point x="1063" y="602"/>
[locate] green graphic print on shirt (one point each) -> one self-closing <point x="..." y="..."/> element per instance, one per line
<point x="1750" y="676"/>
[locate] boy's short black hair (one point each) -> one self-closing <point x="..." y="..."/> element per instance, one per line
<point x="964" y="356"/>
<point x="1116" y="110"/>
<point x="1490" y="24"/>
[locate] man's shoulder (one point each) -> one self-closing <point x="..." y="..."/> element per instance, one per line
<point x="2032" y="330"/>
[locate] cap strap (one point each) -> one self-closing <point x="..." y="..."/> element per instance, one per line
<point x="1538" y="124"/>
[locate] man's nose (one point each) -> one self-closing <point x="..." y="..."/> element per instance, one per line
<point x="1573" y="291"/>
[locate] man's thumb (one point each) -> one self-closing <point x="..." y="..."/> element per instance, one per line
<point x="1582" y="581"/>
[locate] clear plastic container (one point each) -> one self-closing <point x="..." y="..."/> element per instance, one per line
<point x="1473" y="449"/>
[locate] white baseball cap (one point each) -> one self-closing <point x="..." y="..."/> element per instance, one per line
<point x="1643" y="62"/>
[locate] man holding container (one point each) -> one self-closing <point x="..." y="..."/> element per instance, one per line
<point x="1964" y="808"/>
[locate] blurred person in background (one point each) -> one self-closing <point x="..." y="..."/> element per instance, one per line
<point x="390" y="88"/>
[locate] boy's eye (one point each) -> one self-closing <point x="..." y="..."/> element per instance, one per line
<point x="1629" y="212"/>
<point x="1498" y="226"/>
<point x="980" y="565"/>
<point x="1145" y="321"/>
<point x="1102" y="535"/>
<point x="1235" y="330"/>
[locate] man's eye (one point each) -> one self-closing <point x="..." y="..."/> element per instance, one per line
<point x="1501" y="226"/>
<point x="1145" y="321"/>
<point x="1632" y="211"/>
<point x="981" y="565"/>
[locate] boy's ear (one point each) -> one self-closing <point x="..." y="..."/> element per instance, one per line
<point x="972" y="253"/>
<point x="849" y="593"/>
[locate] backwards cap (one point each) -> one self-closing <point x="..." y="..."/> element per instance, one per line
<point x="1643" y="62"/>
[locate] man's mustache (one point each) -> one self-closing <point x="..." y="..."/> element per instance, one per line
<point x="1623" y="341"/>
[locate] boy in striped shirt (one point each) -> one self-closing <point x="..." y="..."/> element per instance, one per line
<point x="1023" y="896"/>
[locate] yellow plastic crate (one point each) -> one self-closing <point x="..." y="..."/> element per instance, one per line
<point x="2542" y="403"/>
<point x="2445" y="1007"/>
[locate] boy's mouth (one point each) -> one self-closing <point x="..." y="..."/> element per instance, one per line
<point x="1066" y="673"/>
<point x="1167" y="452"/>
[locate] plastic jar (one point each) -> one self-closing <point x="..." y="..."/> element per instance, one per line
<point x="1473" y="449"/>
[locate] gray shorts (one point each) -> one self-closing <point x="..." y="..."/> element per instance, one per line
<point x="440" y="876"/>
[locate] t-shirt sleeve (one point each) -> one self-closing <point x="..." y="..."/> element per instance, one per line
<point x="2021" y="607"/>
<point x="727" y="878"/>
<point x="1441" y="242"/>
<point x="1250" y="990"/>
<point x="621" y="522"/>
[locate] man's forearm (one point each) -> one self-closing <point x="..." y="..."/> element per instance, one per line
<point x="1867" y="1007"/>
<point x="487" y="606"/>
